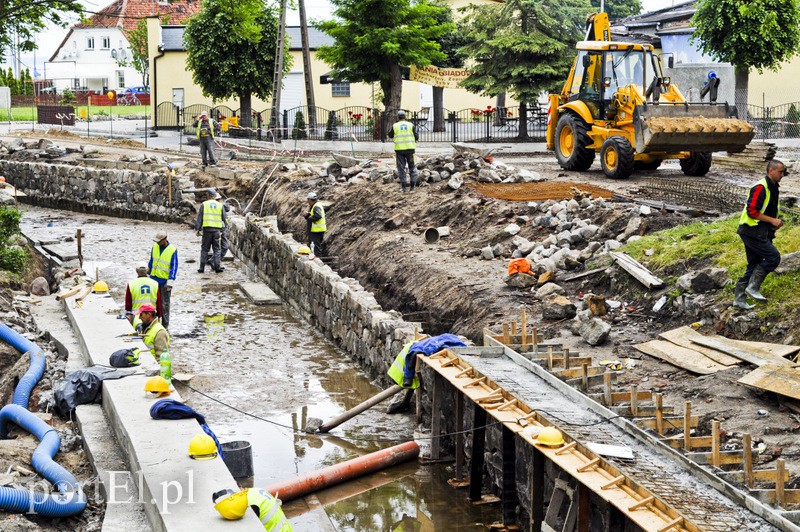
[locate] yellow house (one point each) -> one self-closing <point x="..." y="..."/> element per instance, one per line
<point x="172" y="87"/>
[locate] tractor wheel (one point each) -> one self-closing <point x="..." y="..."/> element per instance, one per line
<point x="616" y="158"/>
<point x="572" y="139"/>
<point x="639" y="166"/>
<point x="698" y="164"/>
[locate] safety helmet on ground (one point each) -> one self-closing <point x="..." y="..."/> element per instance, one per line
<point x="304" y="250"/>
<point x="312" y="195"/>
<point x="100" y="287"/>
<point x="230" y="504"/>
<point x="401" y="114"/>
<point x="202" y="447"/>
<point x="147" y="307"/>
<point x="551" y="437"/>
<point x="157" y="385"/>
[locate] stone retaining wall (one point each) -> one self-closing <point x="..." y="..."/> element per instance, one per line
<point x="123" y="193"/>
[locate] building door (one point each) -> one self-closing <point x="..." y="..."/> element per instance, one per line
<point x="177" y="98"/>
<point x="293" y="93"/>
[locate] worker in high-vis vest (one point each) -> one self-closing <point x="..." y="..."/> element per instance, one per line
<point x="141" y="291"/>
<point x="210" y="222"/>
<point x="405" y="137"/>
<point x="205" y="134"/>
<point x="315" y="225"/>
<point x="757" y="226"/>
<point x="398" y="371"/>
<point x="233" y="505"/>
<point x="155" y="336"/>
<point x="163" y="267"/>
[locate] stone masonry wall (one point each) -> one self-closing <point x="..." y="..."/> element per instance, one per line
<point x="115" y="192"/>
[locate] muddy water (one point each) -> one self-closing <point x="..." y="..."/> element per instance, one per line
<point x="251" y="361"/>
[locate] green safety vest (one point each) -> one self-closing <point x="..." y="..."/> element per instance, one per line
<point x="150" y="337"/>
<point x="212" y="214"/>
<point x="162" y="260"/>
<point x="269" y="510"/>
<point x="205" y="128"/>
<point x="319" y="226"/>
<point x="404" y="136"/>
<point x="399" y="366"/>
<point x="745" y="218"/>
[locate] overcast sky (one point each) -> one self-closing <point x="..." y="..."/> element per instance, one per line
<point x="50" y="39"/>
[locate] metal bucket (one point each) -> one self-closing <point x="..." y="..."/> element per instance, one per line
<point x="238" y="458"/>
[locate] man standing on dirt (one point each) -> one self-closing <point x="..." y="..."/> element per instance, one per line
<point x="757" y="226"/>
<point x="211" y="221"/>
<point x="405" y="138"/>
<point x="205" y="134"/>
<point x="315" y="225"/>
<point x="163" y="267"/>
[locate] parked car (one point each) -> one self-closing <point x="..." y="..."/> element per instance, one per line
<point x="137" y="90"/>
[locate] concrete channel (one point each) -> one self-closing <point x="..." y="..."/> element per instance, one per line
<point x="249" y="362"/>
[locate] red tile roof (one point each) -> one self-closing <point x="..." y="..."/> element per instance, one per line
<point x="126" y="13"/>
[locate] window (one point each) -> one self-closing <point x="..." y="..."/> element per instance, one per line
<point x="340" y="88"/>
<point x="106" y="43"/>
<point x="90" y="43"/>
<point x="120" y="78"/>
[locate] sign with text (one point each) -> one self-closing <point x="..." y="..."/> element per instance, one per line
<point x="447" y="78"/>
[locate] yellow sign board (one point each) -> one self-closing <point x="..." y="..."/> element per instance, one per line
<point x="448" y="78"/>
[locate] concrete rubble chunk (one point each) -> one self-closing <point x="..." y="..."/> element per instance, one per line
<point x="40" y="287"/>
<point x="549" y="289"/>
<point x="557" y="307"/>
<point x="702" y="281"/>
<point x="512" y="229"/>
<point x="456" y="181"/>
<point x="520" y="280"/>
<point x="395" y="221"/>
<point x="487" y="253"/>
<point x="789" y="263"/>
<point x="594" y="331"/>
<point x="345" y="161"/>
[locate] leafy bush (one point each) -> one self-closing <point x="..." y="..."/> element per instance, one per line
<point x="332" y="127"/>
<point x="67" y="97"/>
<point x="9" y="224"/>
<point x="13" y="259"/>
<point x="793" y="117"/>
<point x="299" y="129"/>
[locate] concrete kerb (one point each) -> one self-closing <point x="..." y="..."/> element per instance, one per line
<point x="176" y="490"/>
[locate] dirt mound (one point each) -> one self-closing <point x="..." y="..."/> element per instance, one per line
<point x="53" y="132"/>
<point x="126" y="143"/>
<point x="698" y="125"/>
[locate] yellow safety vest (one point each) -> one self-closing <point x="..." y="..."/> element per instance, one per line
<point x="143" y="290"/>
<point x="745" y="218"/>
<point x="399" y="366"/>
<point x="205" y="128"/>
<point x="404" y="136"/>
<point x="150" y="337"/>
<point x="212" y="214"/>
<point x="319" y="226"/>
<point x="269" y="510"/>
<point x="162" y="260"/>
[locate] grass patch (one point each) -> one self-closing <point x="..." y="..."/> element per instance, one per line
<point x="27" y="114"/>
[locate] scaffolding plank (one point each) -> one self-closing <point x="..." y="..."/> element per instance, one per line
<point x="779" y="379"/>
<point x="748" y="354"/>
<point x="682" y="336"/>
<point x="676" y="355"/>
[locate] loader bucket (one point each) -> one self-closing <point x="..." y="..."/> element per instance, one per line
<point x="689" y="127"/>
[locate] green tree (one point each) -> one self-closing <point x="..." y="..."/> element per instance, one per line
<point x="227" y="57"/>
<point x="449" y="44"/>
<point x="22" y="19"/>
<point x="619" y="9"/>
<point x="793" y="117"/>
<point x="747" y="34"/>
<point x="11" y="82"/>
<point x="27" y="83"/>
<point x="522" y="47"/>
<point x="375" y="39"/>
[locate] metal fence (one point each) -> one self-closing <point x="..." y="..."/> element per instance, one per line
<point x="776" y="122"/>
<point x="361" y="123"/>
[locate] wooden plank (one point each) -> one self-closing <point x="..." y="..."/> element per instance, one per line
<point x="759" y="475"/>
<point x="696" y="442"/>
<point x="578" y="371"/>
<point x="69" y="293"/>
<point x="725" y="457"/>
<point x="637" y="271"/>
<point x="775" y="378"/>
<point x="682" y="336"/>
<point x="670" y="422"/>
<point x="747" y="356"/>
<point x="680" y="356"/>
<point x="768" y="496"/>
<point x="764" y="349"/>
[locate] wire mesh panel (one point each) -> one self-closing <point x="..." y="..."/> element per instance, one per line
<point x="304" y="122"/>
<point x="168" y="116"/>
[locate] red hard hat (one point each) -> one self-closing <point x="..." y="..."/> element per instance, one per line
<point x="147" y="307"/>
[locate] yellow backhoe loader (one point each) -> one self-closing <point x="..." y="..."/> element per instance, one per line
<point x="617" y="102"/>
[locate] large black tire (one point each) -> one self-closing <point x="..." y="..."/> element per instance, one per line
<point x="698" y="164"/>
<point x="617" y="158"/>
<point x="572" y="139"/>
<point x="639" y="166"/>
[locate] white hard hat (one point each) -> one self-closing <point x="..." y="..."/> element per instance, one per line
<point x="312" y="195"/>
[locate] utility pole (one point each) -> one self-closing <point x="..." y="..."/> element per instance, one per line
<point x="312" y="106"/>
<point x="277" y="79"/>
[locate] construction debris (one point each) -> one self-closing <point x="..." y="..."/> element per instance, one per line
<point x="639" y="272"/>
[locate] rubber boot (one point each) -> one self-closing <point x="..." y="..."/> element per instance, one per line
<point x="740" y="297"/>
<point x="754" y="287"/>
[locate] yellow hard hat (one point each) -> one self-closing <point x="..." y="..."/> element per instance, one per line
<point x="230" y="504"/>
<point x="157" y="385"/>
<point x="304" y="250"/>
<point x="100" y="286"/>
<point x="551" y="437"/>
<point x="202" y="447"/>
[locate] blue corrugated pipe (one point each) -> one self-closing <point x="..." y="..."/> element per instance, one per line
<point x="70" y="499"/>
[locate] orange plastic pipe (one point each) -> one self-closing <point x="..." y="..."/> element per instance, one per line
<point x="293" y="488"/>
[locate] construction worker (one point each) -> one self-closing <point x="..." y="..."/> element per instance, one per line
<point x="205" y="134"/>
<point x="233" y="505"/>
<point x="156" y="337"/>
<point x="211" y="221"/>
<point x="315" y="224"/>
<point x="757" y="226"/>
<point x="140" y="291"/>
<point x="405" y="138"/>
<point x="163" y="267"/>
